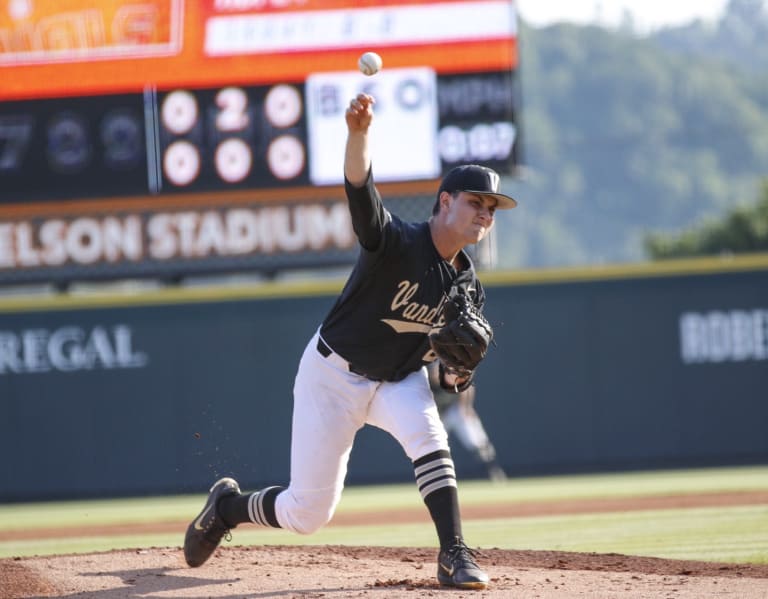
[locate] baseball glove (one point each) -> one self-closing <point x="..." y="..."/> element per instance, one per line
<point x="463" y="341"/>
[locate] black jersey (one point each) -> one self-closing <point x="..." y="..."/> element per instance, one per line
<point x="394" y="295"/>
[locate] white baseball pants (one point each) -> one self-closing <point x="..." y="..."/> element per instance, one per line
<point x="330" y="405"/>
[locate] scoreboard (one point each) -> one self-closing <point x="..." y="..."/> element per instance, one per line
<point x="214" y="129"/>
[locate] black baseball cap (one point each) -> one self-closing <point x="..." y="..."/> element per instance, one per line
<point x="474" y="178"/>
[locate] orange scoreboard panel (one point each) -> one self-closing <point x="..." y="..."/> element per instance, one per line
<point x="135" y="120"/>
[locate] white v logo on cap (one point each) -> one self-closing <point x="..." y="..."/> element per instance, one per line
<point x="494" y="179"/>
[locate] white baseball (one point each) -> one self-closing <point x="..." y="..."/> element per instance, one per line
<point x="369" y="63"/>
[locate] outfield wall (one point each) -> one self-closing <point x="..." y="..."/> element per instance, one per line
<point x="595" y="370"/>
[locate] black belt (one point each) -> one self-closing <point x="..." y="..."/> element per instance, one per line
<point x="325" y="351"/>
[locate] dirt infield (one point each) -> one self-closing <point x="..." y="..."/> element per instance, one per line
<point x="338" y="571"/>
<point x="341" y="571"/>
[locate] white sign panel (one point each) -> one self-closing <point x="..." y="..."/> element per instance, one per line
<point x="403" y="136"/>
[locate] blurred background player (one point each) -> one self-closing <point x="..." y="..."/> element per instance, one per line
<point x="457" y="411"/>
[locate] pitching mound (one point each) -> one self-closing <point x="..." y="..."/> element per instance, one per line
<point x="339" y="571"/>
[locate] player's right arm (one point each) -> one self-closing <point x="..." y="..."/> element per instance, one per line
<point x="369" y="216"/>
<point x="357" y="158"/>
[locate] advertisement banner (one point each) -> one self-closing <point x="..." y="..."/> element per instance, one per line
<point x="166" y="392"/>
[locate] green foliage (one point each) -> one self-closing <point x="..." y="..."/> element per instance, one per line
<point x="625" y="135"/>
<point x="739" y="37"/>
<point x="742" y="230"/>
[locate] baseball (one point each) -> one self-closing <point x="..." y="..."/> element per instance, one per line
<point x="369" y="63"/>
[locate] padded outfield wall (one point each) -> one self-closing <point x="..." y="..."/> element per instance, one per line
<point x="638" y="367"/>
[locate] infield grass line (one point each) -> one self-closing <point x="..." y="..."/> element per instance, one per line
<point x="730" y="534"/>
<point x="370" y="498"/>
<point x="737" y="535"/>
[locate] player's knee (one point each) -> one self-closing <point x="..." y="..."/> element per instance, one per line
<point x="306" y="515"/>
<point x="311" y="520"/>
<point x="311" y="523"/>
<point x="425" y="444"/>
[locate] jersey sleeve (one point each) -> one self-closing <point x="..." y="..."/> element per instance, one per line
<point x="369" y="217"/>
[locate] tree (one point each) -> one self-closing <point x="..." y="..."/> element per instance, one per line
<point x="621" y="137"/>
<point x="738" y="37"/>
<point x="742" y="230"/>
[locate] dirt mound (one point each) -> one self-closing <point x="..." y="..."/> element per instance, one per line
<point x="341" y="571"/>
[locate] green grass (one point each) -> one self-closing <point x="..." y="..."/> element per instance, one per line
<point x="730" y="534"/>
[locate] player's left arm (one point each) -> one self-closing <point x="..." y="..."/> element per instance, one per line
<point x="452" y="381"/>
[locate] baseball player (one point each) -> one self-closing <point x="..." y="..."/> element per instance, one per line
<point x="367" y="361"/>
<point x="457" y="411"/>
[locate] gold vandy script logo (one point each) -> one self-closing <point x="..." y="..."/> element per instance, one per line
<point x="417" y="318"/>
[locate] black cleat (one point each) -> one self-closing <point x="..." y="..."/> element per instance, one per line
<point x="456" y="567"/>
<point x="206" y="531"/>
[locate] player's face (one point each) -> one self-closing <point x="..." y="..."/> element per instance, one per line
<point x="471" y="216"/>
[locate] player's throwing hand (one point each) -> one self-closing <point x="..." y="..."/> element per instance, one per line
<point x="360" y="113"/>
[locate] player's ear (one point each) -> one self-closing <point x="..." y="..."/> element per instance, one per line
<point x="445" y="200"/>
